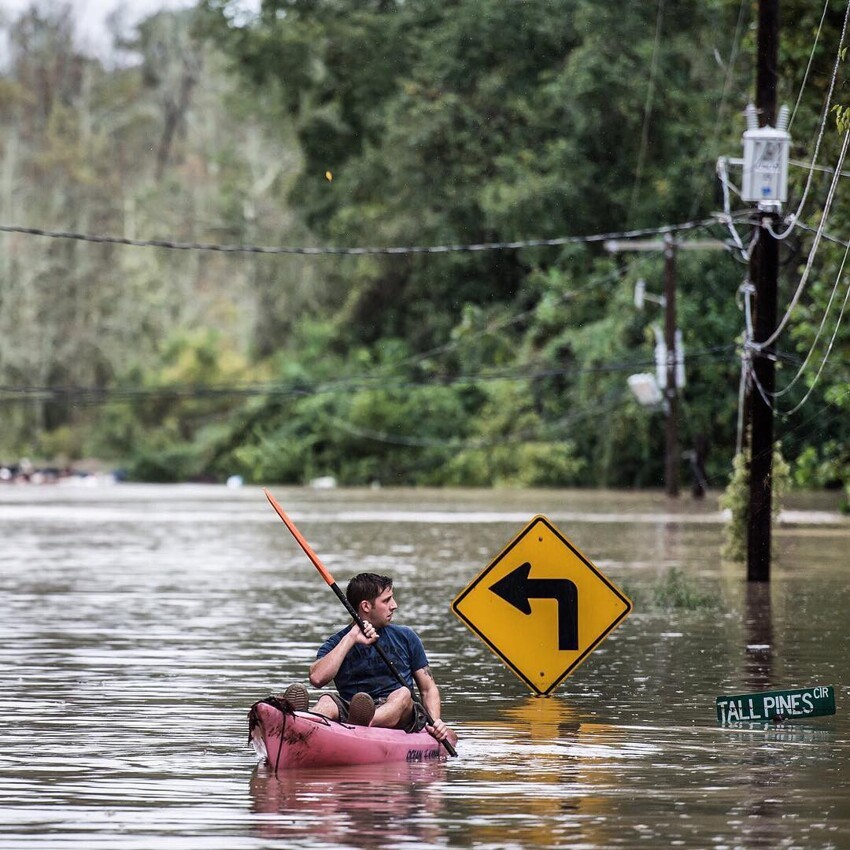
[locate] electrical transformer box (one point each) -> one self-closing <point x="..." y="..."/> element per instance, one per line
<point x="765" y="165"/>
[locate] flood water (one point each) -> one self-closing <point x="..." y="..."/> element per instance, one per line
<point x="138" y="624"/>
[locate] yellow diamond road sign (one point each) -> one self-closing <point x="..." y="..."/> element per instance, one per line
<point x="541" y="606"/>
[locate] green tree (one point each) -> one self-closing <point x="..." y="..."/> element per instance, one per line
<point x="483" y="121"/>
<point x="78" y="155"/>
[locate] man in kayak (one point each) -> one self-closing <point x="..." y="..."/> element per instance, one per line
<point x="367" y="692"/>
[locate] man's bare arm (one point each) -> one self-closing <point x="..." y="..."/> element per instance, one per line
<point x="323" y="670"/>
<point x="424" y="679"/>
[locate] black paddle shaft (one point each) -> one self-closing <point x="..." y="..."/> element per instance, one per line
<point x="388" y="661"/>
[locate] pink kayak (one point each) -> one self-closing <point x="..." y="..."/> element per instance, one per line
<point x="286" y="738"/>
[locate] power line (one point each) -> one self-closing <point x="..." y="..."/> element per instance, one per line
<point x="355" y="251"/>
<point x="804" y="278"/>
<point x="502" y="323"/>
<point x="727" y="83"/>
<point x="647" y="109"/>
<point x="839" y="56"/>
<point x="809" y="65"/>
<point x="827" y="310"/>
<point x="101" y="395"/>
<point x="614" y="400"/>
<point x="770" y="397"/>
<point x="825" y="169"/>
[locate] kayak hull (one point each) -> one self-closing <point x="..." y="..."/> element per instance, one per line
<point x="287" y="739"/>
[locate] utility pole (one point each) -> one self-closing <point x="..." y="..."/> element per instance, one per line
<point x="671" y="391"/>
<point x="764" y="271"/>
<point x="670" y="247"/>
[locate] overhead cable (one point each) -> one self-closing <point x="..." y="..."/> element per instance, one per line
<point x="826" y="169"/>
<point x="839" y="57"/>
<point x="721" y="108"/>
<point x="505" y="322"/>
<point x="827" y="310"/>
<point x="804" y="278"/>
<point x="647" y="109"/>
<point x="89" y="394"/>
<point x="595" y="411"/>
<point x="809" y="65"/>
<point x="770" y="397"/>
<point x="357" y="251"/>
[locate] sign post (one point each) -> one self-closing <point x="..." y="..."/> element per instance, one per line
<point x="541" y="606"/>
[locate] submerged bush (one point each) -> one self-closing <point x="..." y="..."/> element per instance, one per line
<point x="736" y="499"/>
<point x="673" y="590"/>
<point x="678" y="590"/>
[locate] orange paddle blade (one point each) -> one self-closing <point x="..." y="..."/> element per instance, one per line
<point x="323" y="571"/>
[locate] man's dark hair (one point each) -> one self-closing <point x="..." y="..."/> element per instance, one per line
<point x="366" y="586"/>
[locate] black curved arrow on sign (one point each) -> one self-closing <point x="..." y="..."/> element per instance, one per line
<point x="517" y="589"/>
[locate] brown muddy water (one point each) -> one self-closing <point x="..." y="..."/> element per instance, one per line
<point x="137" y="625"/>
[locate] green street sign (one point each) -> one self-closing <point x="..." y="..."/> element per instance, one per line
<point x="762" y="707"/>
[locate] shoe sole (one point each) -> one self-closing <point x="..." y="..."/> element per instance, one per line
<point x="361" y="710"/>
<point x="297" y="698"/>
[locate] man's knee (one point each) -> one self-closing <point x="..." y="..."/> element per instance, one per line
<point x="402" y="698"/>
<point x="327" y="707"/>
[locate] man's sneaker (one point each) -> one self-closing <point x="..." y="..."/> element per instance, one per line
<point x="296" y="697"/>
<point x="361" y="710"/>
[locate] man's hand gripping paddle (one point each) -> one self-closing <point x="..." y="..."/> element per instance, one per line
<point x="329" y="579"/>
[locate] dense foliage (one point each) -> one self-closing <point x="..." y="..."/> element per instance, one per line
<point x="390" y="123"/>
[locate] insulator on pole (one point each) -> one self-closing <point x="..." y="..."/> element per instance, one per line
<point x="752" y="117"/>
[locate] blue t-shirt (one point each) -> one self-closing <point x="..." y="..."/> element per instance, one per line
<point x="364" y="670"/>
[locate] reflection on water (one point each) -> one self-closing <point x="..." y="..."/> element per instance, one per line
<point x="360" y="806"/>
<point x="140" y="623"/>
<point x="758" y="622"/>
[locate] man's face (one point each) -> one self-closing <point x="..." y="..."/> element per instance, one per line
<point x="379" y="612"/>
